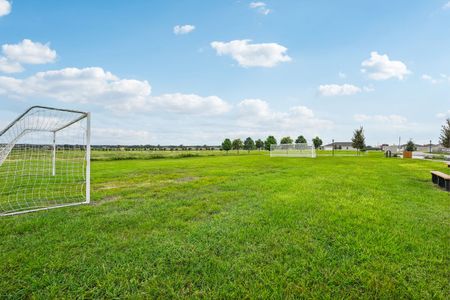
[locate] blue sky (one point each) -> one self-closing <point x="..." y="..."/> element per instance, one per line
<point x="241" y="68"/>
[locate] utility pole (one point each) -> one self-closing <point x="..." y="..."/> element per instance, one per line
<point x="332" y="141"/>
<point x="399" y="142"/>
<point x="430" y="146"/>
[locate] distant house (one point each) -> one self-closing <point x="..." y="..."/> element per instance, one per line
<point x="426" y="148"/>
<point x="339" y="146"/>
<point x="420" y="148"/>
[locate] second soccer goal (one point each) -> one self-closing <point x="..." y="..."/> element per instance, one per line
<point x="292" y="150"/>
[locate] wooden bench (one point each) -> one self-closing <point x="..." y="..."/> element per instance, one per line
<point x="441" y="179"/>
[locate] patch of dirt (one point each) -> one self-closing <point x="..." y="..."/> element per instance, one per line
<point x="107" y="200"/>
<point x="186" y="179"/>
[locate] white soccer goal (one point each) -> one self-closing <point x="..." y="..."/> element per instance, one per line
<point x="292" y="150"/>
<point x="45" y="160"/>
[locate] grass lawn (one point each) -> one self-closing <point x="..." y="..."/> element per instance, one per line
<point x="233" y="226"/>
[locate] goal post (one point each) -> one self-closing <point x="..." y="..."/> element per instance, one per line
<point x="45" y="160"/>
<point x="292" y="150"/>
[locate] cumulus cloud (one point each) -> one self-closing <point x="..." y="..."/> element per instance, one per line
<point x="5" y="7"/>
<point x="183" y="29"/>
<point x="29" y="52"/>
<point x="25" y="52"/>
<point x="442" y="78"/>
<point x="253" y="55"/>
<point x="260" y="7"/>
<point x="97" y="86"/>
<point x="329" y="90"/>
<point x="7" y="66"/>
<point x="380" y="67"/>
<point x="191" y="103"/>
<point x="257" y="117"/>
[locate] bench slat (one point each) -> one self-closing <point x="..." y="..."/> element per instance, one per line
<point x="440" y="174"/>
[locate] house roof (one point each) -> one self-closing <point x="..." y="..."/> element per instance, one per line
<point x="344" y="144"/>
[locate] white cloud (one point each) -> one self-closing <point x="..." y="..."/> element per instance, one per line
<point x="29" y="52"/>
<point x="96" y="86"/>
<point x="446" y="6"/>
<point x="7" y="66"/>
<point x="338" y="90"/>
<point x="183" y="29"/>
<point x="253" y="55"/>
<point x="380" y="67"/>
<point x="5" y="7"/>
<point x="26" y="52"/>
<point x="443" y="115"/>
<point x="342" y="75"/>
<point x="442" y="78"/>
<point x="261" y="7"/>
<point x="191" y="103"/>
<point x="256" y="116"/>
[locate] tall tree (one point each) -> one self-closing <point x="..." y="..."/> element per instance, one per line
<point x="317" y="142"/>
<point x="259" y="144"/>
<point x="226" y="145"/>
<point x="445" y="134"/>
<point x="286" y="140"/>
<point x="359" y="140"/>
<point x="236" y="145"/>
<point x="249" y="144"/>
<point x="301" y="140"/>
<point x="271" y="140"/>
<point x="410" y="146"/>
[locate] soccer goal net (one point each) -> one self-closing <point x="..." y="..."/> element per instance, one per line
<point x="292" y="150"/>
<point x="45" y="160"/>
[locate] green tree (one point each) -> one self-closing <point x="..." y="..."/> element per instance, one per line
<point x="286" y="140"/>
<point x="249" y="144"/>
<point x="226" y="145"/>
<point x="317" y="142"/>
<point x="410" y="146"/>
<point x="271" y="140"/>
<point x="259" y="144"/>
<point x="445" y="134"/>
<point x="236" y="145"/>
<point x="301" y="140"/>
<point x="359" y="140"/>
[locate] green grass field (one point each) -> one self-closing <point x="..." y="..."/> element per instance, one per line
<point x="245" y="226"/>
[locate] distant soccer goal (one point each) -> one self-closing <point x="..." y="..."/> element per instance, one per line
<point x="45" y="160"/>
<point x="292" y="150"/>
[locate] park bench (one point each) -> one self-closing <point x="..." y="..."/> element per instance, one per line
<point x="441" y="179"/>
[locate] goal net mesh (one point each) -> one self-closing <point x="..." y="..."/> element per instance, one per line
<point x="43" y="160"/>
<point x="292" y="150"/>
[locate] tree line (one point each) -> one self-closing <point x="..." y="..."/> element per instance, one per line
<point x="358" y="142"/>
<point x="250" y="144"/>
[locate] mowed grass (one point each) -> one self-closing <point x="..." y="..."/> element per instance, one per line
<point x="238" y="227"/>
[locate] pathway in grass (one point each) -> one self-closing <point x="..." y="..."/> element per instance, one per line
<point x="238" y="226"/>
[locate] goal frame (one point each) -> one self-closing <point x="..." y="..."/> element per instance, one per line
<point x="83" y="115"/>
<point x="275" y="147"/>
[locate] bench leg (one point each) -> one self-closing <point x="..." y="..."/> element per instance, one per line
<point x="447" y="185"/>
<point x="434" y="178"/>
